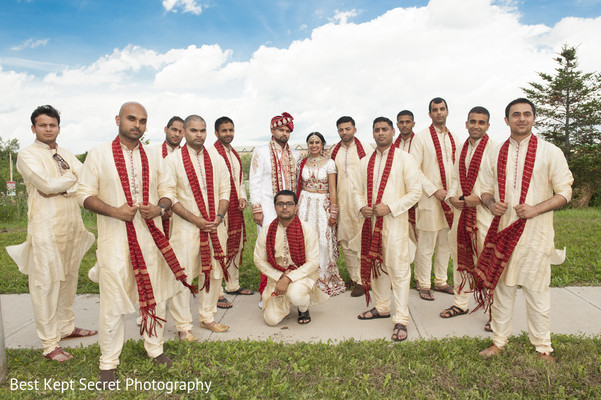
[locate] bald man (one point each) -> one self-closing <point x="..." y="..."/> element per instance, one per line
<point x="123" y="187"/>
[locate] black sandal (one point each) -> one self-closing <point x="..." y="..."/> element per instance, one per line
<point x="452" y="311"/>
<point x="304" y="317"/>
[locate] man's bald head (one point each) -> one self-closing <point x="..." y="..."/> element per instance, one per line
<point x="191" y="118"/>
<point x="132" y="106"/>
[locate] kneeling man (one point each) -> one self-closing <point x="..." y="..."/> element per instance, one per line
<point x="288" y="254"/>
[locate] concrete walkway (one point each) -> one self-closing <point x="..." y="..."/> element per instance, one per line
<point x="575" y="310"/>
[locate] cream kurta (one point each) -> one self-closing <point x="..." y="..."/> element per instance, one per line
<point x="529" y="264"/>
<point x="402" y="191"/>
<point x="483" y="215"/>
<point x="306" y="274"/>
<point x="99" y="177"/>
<point x="56" y="237"/>
<point x="156" y="152"/>
<point x="185" y="238"/>
<point x="348" y="166"/>
<point x="260" y="184"/>
<point x="429" y="215"/>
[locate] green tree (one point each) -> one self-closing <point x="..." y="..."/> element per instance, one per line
<point x="569" y="116"/>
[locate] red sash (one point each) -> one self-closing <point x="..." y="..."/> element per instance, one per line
<point x="205" y="246"/>
<point x="276" y="167"/>
<point x="165" y="153"/>
<point x="236" y="230"/>
<point x="467" y="229"/>
<point x="299" y="178"/>
<point x="360" y="150"/>
<point x="498" y="246"/>
<point x="145" y="292"/>
<point x="397" y="142"/>
<point x="296" y="244"/>
<point x="371" y="242"/>
<point x="448" y="213"/>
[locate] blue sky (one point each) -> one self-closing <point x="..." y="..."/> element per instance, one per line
<point x="69" y="32"/>
<point x="252" y="59"/>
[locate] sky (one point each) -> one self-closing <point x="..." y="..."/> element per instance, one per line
<point x="253" y="59"/>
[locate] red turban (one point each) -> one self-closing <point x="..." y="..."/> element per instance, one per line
<point x="282" y="120"/>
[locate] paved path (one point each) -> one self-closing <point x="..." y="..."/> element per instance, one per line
<point x="574" y="310"/>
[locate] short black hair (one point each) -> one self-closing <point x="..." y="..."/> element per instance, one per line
<point x="173" y="119"/>
<point x="382" y="119"/>
<point x="405" y="112"/>
<point x="319" y="135"/>
<point x="221" y="121"/>
<point x="437" y="100"/>
<point x="519" y="100"/>
<point x="344" y="119"/>
<point x="45" y="110"/>
<point x="479" y="110"/>
<point x="285" y="192"/>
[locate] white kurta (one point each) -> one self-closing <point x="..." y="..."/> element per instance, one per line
<point x="529" y="265"/>
<point x="56" y="237"/>
<point x="303" y="278"/>
<point x="185" y="238"/>
<point x="118" y="289"/>
<point x="402" y="191"/>
<point x="260" y="183"/>
<point x="483" y="215"/>
<point x="430" y="216"/>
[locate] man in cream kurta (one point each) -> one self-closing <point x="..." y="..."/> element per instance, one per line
<point x="188" y="221"/>
<point x="56" y="237"/>
<point x="224" y="131"/>
<point x="530" y="263"/>
<point x="477" y="125"/>
<point x="100" y="190"/>
<point x="432" y="226"/>
<point x="348" y="160"/>
<point x="301" y="290"/>
<point x="262" y="184"/>
<point x="401" y="192"/>
<point x="174" y="133"/>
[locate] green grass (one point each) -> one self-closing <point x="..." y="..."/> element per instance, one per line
<point x="442" y="369"/>
<point x="578" y="230"/>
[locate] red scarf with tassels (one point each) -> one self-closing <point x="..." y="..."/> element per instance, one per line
<point x="397" y="144"/>
<point x="145" y="292"/>
<point x="236" y="230"/>
<point x="296" y="244"/>
<point x="205" y="243"/>
<point x="360" y="150"/>
<point x="467" y="230"/>
<point x="498" y="246"/>
<point x="448" y="213"/>
<point x="371" y="242"/>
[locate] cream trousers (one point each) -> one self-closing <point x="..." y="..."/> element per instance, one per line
<point x="53" y="310"/>
<point x="538" y="307"/>
<point x="179" y="305"/>
<point x="352" y="261"/>
<point x="398" y="278"/>
<point x="298" y="294"/>
<point x="427" y="242"/>
<point x="111" y="336"/>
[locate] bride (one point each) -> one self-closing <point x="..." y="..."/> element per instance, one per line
<point x="317" y="206"/>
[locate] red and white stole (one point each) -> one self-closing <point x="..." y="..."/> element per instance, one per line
<point x="145" y="292"/>
<point x="206" y="239"/>
<point x="285" y="167"/>
<point x="360" y="150"/>
<point x="371" y="242"/>
<point x="236" y="230"/>
<point x="467" y="229"/>
<point x="448" y="213"/>
<point x="299" y="177"/>
<point x="397" y="142"/>
<point x="498" y="246"/>
<point x="296" y="244"/>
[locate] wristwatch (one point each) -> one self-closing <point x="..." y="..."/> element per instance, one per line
<point x="221" y="216"/>
<point x="162" y="210"/>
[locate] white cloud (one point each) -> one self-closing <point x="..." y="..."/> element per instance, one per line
<point x="187" y="6"/>
<point x="30" y="44"/>
<point x="471" y="52"/>
<point x="342" y="17"/>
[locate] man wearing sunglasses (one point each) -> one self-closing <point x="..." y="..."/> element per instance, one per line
<point x="56" y="237"/>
